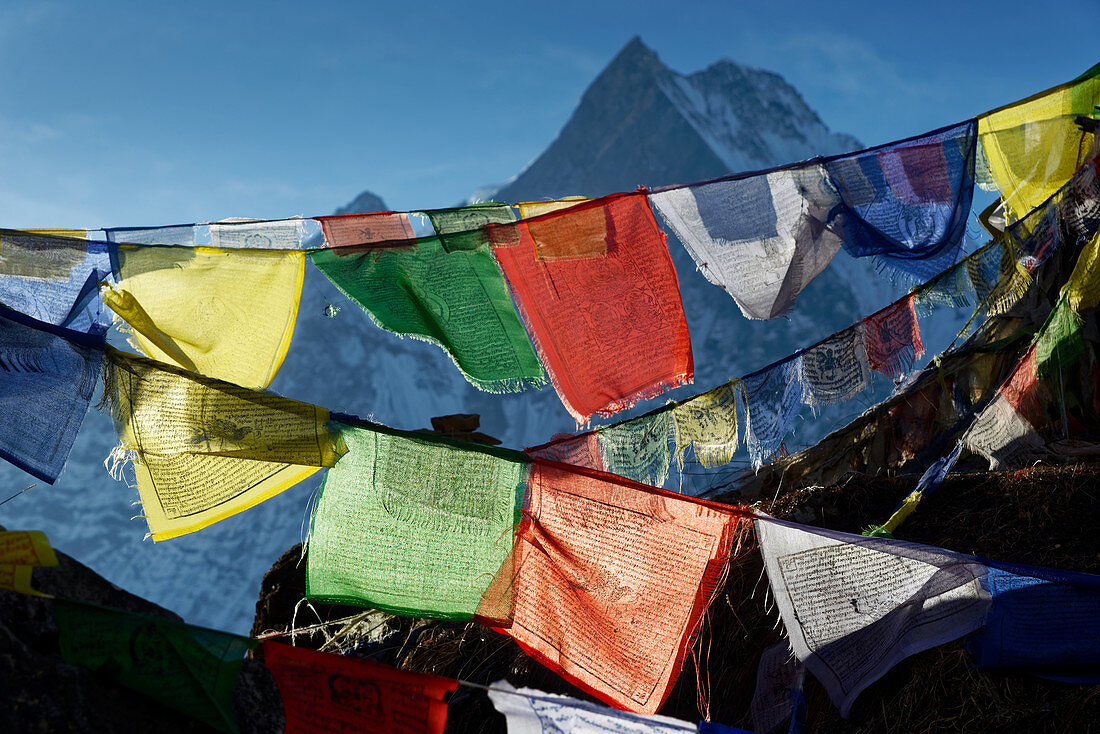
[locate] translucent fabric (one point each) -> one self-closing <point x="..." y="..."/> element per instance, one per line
<point x="346" y="230"/>
<point x="454" y="298"/>
<point x="835" y="370"/>
<point x="47" y="377"/>
<point x="1033" y="147"/>
<point x="762" y="238"/>
<point x="462" y="228"/>
<point x="223" y="313"/>
<point x="529" y="209"/>
<point x="188" y="669"/>
<point x="854" y="606"/>
<point x="612" y="579"/>
<point x="1002" y="435"/>
<point x="773" y="397"/>
<point x="203" y="449"/>
<point x="906" y="203"/>
<point x="950" y="289"/>
<point x="581" y="449"/>
<point x="892" y="338"/>
<point x="708" y="424"/>
<point x="637" y="449"/>
<point x="236" y="233"/>
<point x="414" y="526"/>
<point x="1061" y="343"/>
<point x="53" y="276"/>
<point x="326" y="693"/>
<point x="599" y="295"/>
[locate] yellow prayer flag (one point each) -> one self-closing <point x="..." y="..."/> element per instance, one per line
<point x="26" y="548"/>
<point x="204" y="449"/>
<point x="20" y="552"/>
<point x="1083" y="286"/>
<point x="528" y="209"/>
<point x="223" y="313"/>
<point x="1033" y="147"/>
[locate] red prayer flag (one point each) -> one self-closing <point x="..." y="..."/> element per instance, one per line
<point x="600" y="297"/>
<point x="1021" y="389"/>
<point x="323" y="692"/>
<point x="892" y="337"/>
<point x="612" y="578"/>
<point x="346" y="230"/>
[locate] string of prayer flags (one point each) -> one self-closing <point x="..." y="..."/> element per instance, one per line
<point x="455" y="298"/>
<point x="295" y="233"/>
<point x="348" y="230"/>
<point x="529" y="711"/>
<point x="1033" y="147"/>
<point x="189" y="669"/>
<point x="1041" y="620"/>
<point x="708" y="424"/>
<point x="611" y="579"/>
<point x="463" y="228"/>
<point x="599" y="295"/>
<point x="773" y="397"/>
<point x="203" y="449"/>
<point x="223" y="313"/>
<point x="854" y="606"/>
<point x="836" y="370"/>
<point x="324" y="692"/>
<point x="762" y="238"/>
<point x="415" y="526"/>
<point x="892" y="339"/>
<point x="47" y="377"/>
<point x="906" y="203"/>
<point x="21" y="551"/>
<point x="53" y="275"/>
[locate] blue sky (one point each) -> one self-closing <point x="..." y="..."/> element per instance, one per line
<point x="121" y="113"/>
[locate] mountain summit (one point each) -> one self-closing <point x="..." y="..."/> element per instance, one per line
<point x="642" y="124"/>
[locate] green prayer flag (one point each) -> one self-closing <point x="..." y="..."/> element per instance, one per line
<point x="189" y="669"/>
<point x="462" y="228"/>
<point x="457" y="299"/>
<point x="414" y="526"/>
<point x="1059" y="344"/>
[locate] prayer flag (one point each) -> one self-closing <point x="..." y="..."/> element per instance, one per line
<point x="47" y="377"/>
<point x="1041" y="620"/>
<point x="53" y="275"/>
<point x="854" y="606"/>
<point x="611" y="579"/>
<point x="761" y="237"/>
<point x="222" y="313"/>
<point x="892" y="338"/>
<point x="347" y="230"/>
<point x="203" y="449"/>
<point x="325" y="692"/>
<point x="581" y="449"/>
<point x="637" y="449"/>
<point x="1079" y="207"/>
<point x="773" y="397"/>
<point x="778" y="694"/>
<point x="454" y="298"/>
<point x="21" y="551"/>
<point x="906" y="203"/>
<point x="530" y="209"/>
<point x="835" y="370"/>
<point x="415" y="526"/>
<point x="708" y="424"/>
<point x="295" y="233"/>
<point x="533" y="712"/>
<point x="463" y="228"/>
<point x="599" y="295"/>
<point x="1033" y="147"/>
<point x="189" y="669"/>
